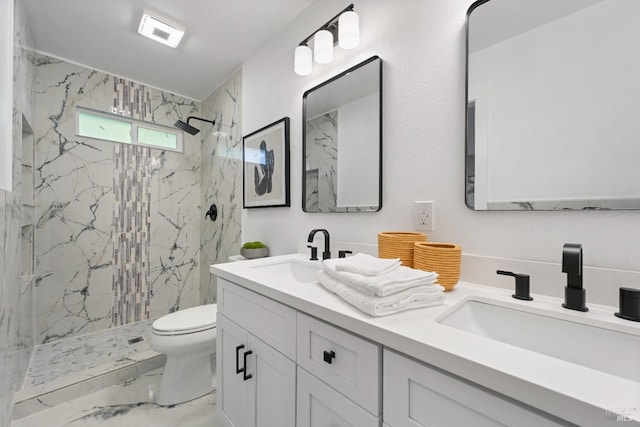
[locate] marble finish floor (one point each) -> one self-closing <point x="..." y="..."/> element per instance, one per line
<point x="124" y="405"/>
<point x="107" y="349"/>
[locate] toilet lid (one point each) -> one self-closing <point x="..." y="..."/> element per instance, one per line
<point x="192" y="319"/>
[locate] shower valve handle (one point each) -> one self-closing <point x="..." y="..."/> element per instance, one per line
<point x="212" y="213"/>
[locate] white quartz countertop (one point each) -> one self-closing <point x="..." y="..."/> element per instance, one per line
<point x="569" y="391"/>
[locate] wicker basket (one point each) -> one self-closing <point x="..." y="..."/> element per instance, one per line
<point x="399" y="244"/>
<point x="443" y="258"/>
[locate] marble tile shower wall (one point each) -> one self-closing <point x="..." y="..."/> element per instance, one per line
<point x="221" y="180"/>
<point x="76" y="205"/>
<point x="16" y="293"/>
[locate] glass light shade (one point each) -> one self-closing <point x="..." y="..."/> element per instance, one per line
<point x="348" y="30"/>
<point x="303" y="62"/>
<point x="323" y="47"/>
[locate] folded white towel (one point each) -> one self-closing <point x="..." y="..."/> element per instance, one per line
<point x="399" y="279"/>
<point x="367" y="265"/>
<point x="418" y="297"/>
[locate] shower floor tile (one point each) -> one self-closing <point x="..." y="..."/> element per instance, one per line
<point x="90" y="354"/>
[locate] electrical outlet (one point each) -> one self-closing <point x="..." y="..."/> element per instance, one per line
<point x="424" y="219"/>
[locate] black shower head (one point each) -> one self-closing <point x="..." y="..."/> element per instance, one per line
<point x="188" y="128"/>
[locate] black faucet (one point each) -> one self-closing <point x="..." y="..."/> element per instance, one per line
<point x="574" y="294"/>
<point x="327" y="251"/>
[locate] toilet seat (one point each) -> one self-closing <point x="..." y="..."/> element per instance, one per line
<point x="187" y="321"/>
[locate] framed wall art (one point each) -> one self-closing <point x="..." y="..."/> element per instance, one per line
<point x="265" y="158"/>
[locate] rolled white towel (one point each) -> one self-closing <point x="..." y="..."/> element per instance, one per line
<point x="418" y="297"/>
<point x="367" y="265"/>
<point x="397" y="280"/>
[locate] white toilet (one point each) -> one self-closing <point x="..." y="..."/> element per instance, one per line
<point x="188" y="338"/>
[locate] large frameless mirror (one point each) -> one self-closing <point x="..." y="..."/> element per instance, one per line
<point x="342" y="142"/>
<point x="552" y="105"/>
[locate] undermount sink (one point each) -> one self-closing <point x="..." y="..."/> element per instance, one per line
<point x="591" y="344"/>
<point x="296" y="270"/>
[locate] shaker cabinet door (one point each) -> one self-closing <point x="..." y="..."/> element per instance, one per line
<point x="416" y="395"/>
<point x="322" y="406"/>
<point x="272" y="388"/>
<point x="232" y="390"/>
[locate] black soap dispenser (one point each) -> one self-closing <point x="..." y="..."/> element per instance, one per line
<point x="629" y="304"/>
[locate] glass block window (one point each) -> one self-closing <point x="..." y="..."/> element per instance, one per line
<point x="114" y="128"/>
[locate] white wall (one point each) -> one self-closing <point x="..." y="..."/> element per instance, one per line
<point x="422" y="44"/>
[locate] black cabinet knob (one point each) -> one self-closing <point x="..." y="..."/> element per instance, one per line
<point x="328" y="356"/>
<point x="629" y="304"/>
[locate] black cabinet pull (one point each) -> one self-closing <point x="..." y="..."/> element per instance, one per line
<point x="328" y="356"/>
<point x="246" y="376"/>
<point x="238" y="348"/>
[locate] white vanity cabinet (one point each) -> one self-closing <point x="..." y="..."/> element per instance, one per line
<point x="339" y="377"/>
<point x="406" y="370"/>
<point x="416" y="394"/>
<point x="279" y="367"/>
<point x="256" y="380"/>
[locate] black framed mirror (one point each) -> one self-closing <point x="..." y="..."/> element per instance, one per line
<point x="342" y="142"/>
<point x="552" y="101"/>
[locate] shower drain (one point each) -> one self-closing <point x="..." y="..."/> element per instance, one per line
<point x="135" y="340"/>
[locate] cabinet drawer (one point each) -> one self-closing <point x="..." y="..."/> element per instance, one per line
<point x="321" y="406"/>
<point x="418" y="395"/>
<point x="265" y="318"/>
<point x="348" y="363"/>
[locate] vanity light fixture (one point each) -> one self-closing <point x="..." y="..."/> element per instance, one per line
<point x="303" y="62"/>
<point x="344" y="28"/>
<point x="160" y="31"/>
<point x="323" y="47"/>
<point x="348" y="30"/>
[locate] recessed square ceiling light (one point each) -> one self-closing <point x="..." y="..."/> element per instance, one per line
<point x="160" y="31"/>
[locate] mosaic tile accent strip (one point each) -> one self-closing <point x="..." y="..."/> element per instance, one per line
<point x="131" y="227"/>
<point x="131" y="99"/>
